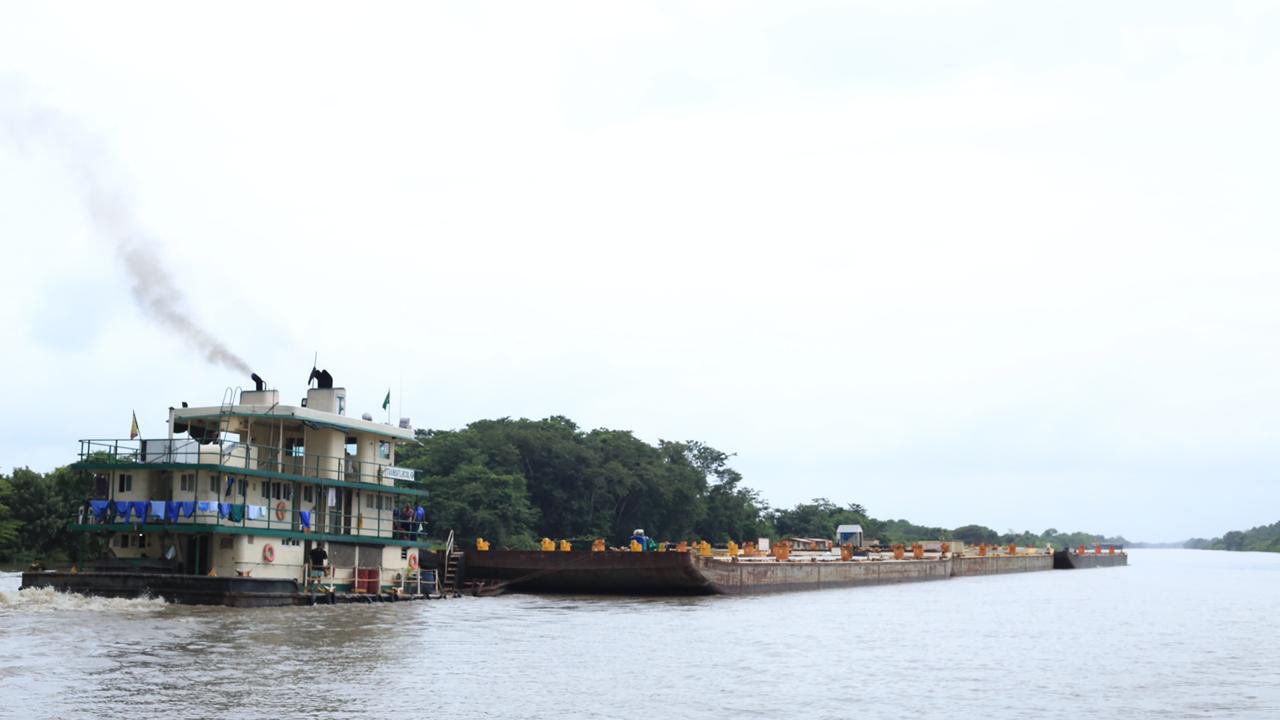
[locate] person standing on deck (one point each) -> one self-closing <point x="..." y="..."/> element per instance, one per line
<point x="318" y="557"/>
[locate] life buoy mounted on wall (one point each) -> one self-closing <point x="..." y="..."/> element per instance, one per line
<point x="269" y="553"/>
<point x="413" y="562"/>
<point x="281" y="510"/>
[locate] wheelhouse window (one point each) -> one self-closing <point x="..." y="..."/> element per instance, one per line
<point x="293" y="447"/>
<point x="384" y="450"/>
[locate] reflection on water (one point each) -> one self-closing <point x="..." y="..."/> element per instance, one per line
<point x="1176" y="634"/>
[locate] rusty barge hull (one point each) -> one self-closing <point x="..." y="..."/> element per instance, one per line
<point x="673" y="573"/>
<point x="1067" y="560"/>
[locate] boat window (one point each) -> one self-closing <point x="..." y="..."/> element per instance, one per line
<point x="186" y="482"/>
<point x="351" y="446"/>
<point x="293" y="447"/>
<point x="384" y="450"/>
<point x="307" y="496"/>
<point x="213" y="483"/>
<point x="244" y="487"/>
<point x="288" y="491"/>
<point x="125" y="485"/>
<point x="342" y="405"/>
<point x="276" y="491"/>
<point x="266" y="490"/>
<point x="224" y="543"/>
<point x="122" y="541"/>
<point x="368" y="500"/>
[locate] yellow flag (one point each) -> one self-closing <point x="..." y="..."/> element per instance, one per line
<point x="133" y="428"/>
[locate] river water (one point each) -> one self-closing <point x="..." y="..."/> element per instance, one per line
<point x="1178" y="633"/>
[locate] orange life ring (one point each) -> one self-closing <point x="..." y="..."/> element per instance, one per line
<point x="269" y="553"/>
<point x="281" y="510"/>
<point x="413" y="562"/>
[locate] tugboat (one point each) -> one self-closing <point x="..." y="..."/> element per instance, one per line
<point x="254" y="503"/>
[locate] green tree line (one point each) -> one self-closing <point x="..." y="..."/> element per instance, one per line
<point x="516" y="481"/>
<point x="1264" y="538"/>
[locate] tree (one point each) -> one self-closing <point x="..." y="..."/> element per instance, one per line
<point x="975" y="535"/>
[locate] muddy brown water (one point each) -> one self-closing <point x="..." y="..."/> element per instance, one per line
<point x="1176" y="634"/>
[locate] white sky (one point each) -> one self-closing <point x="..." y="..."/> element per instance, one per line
<point x="1006" y="263"/>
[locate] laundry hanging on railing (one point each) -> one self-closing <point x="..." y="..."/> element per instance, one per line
<point x="157" y="508"/>
<point x="139" y="509"/>
<point x="304" y="517"/>
<point x="171" y="511"/>
<point x="223" y="509"/>
<point x="187" y="507"/>
<point x="122" y="509"/>
<point x="100" y="508"/>
<point x="206" y="506"/>
<point x="236" y="513"/>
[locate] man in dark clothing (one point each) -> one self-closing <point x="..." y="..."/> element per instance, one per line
<point x="318" y="558"/>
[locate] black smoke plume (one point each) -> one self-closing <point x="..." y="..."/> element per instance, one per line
<point x="111" y="212"/>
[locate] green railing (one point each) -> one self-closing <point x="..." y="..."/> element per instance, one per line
<point x="388" y="524"/>
<point x="230" y="454"/>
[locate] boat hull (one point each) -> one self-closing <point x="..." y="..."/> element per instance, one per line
<point x="674" y="573"/>
<point x="183" y="589"/>
<point x="1067" y="560"/>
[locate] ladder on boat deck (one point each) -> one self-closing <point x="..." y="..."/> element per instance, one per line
<point x="452" y="559"/>
<point x="229" y="397"/>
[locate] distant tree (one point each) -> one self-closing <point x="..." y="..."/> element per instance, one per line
<point x="975" y="535"/>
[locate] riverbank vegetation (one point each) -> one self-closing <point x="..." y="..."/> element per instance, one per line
<point x="516" y="481"/>
<point x="1264" y="538"/>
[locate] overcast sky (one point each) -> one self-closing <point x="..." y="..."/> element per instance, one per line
<point x="1012" y="263"/>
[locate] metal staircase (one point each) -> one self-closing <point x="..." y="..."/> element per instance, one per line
<point x="448" y="585"/>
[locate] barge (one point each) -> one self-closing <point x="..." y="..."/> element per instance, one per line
<point x="692" y="573"/>
<point x="252" y="502"/>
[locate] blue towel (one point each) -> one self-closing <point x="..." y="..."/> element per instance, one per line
<point x="122" y="509"/>
<point x="420" y="514"/>
<point x="171" y="510"/>
<point x="304" y="516"/>
<point x="139" y="509"/>
<point x="100" y="508"/>
<point x="157" y="509"/>
<point x="205" y="506"/>
<point x="230" y="482"/>
<point x="187" y="507"/>
<point x="223" y="509"/>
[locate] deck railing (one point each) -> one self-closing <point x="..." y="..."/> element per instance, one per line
<point x="388" y="523"/>
<point x="233" y="454"/>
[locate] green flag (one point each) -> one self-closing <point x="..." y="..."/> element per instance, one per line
<point x="387" y="403"/>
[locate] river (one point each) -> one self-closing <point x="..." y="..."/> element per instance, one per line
<point x="1177" y="634"/>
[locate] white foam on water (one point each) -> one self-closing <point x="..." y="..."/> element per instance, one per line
<point x="41" y="600"/>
